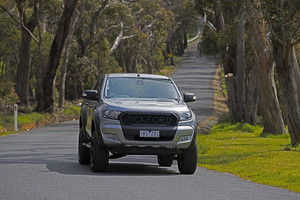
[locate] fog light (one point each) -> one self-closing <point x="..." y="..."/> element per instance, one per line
<point x="109" y="136"/>
<point x="185" y="138"/>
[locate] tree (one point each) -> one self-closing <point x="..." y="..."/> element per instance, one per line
<point x="47" y="101"/>
<point x="68" y="45"/>
<point x="241" y="66"/>
<point x="28" y="25"/>
<point x="243" y="90"/>
<point x="273" y="121"/>
<point x="10" y="38"/>
<point x="283" y="20"/>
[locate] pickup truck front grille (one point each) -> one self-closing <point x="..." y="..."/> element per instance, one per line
<point x="149" y="119"/>
<point x="133" y="123"/>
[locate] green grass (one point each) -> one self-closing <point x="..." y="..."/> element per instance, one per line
<point x="7" y="121"/>
<point x="34" y="119"/>
<point x="223" y="84"/>
<point x="70" y="110"/>
<point x="239" y="149"/>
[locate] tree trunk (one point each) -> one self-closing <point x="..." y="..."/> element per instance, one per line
<point x="252" y="97"/>
<point x="62" y="90"/>
<point x="127" y="61"/>
<point x="54" y="56"/>
<point x="288" y="72"/>
<point x="41" y="20"/>
<point x="231" y="96"/>
<point x="272" y="116"/>
<point x="185" y="40"/>
<point x="180" y="47"/>
<point x="218" y="15"/>
<point x="68" y="44"/>
<point x="230" y="81"/>
<point x="273" y="121"/>
<point x="23" y="71"/>
<point x="240" y="69"/>
<point x="149" y="63"/>
<point x="169" y="51"/>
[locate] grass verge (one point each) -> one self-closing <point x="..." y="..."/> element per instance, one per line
<point x="27" y="121"/>
<point x="240" y="149"/>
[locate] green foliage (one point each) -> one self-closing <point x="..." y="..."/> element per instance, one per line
<point x="208" y="44"/>
<point x="70" y="110"/>
<point x="283" y="18"/>
<point x="35" y="119"/>
<point x="8" y="97"/>
<point x="238" y="149"/>
<point x="227" y="36"/>
<point x="145" y="27"/>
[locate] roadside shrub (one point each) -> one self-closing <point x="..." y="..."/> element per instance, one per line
<point x="8" y="97"/>
<point x="71" y="110"/>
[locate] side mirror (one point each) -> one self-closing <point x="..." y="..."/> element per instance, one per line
<point x="90" y="94"/>
<point x="189" y="97"/>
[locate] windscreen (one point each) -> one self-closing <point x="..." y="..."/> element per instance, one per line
<point x="135" y="87"/>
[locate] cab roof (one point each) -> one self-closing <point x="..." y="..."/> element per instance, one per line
<point x="133" y="75"/>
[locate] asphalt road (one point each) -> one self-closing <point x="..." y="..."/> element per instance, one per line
<point x="196" y="74"/>
<point x="42" y="163"/>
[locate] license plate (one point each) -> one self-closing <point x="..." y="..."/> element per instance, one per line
<point x="149" y="134"/>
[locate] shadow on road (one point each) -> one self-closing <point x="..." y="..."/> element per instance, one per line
<point x="115" y="169"/>
<point x="67" y="164"/>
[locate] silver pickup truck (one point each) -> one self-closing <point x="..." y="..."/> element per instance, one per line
<point x="137" y="114"/>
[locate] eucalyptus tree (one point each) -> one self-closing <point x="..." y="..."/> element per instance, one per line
<point x="47" y="101"/>
<point x="140" y="31"/>
<point x="264" y="71"/>
<point x="27" y="22"/>
<point x="245" y="80"/>
<point x="10" y="38"/>
<point x="283" y="20"/>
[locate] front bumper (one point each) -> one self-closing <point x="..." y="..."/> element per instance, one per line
<point x="113" y="138"/>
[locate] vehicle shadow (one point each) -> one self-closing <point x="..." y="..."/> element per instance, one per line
<point x="50" y="155"/>
<point x="114" y="169"/>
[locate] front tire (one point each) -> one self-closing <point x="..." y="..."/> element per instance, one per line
<point x="83" y="151"/>
<point x="164" y="160"/>
<point x="187" y="162"/>
<point x="98" y="156"/>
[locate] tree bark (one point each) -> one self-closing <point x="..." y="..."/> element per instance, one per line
<point x="68" y="44"/>
<point x="218" y="15"/>
<point x="41" y="22"/>
<point x="231" y="96"/>
<point x="185" y="40"/>
<point x="23" y="71"/>
<point x="240" y="69"/>
<point x="252" y="97"/>
<point x="288" y="76"/>
<point x="54" y="56"/>
<point x="230" y="81"/>
<point x="272" y="116"/>
<point x="180" y="46"/>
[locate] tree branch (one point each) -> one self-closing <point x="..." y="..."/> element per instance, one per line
<point x="20" y="23"/>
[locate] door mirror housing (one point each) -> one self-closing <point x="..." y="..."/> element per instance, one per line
<point x="189" y="97"/>
<point x="90" y="94"/>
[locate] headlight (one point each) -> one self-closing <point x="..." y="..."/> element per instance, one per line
<point x="185" y="116"/>
<point x="111" y="114"/>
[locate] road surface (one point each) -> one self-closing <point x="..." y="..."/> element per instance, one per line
<point x="196" y="74"/>
<point x="42" y="163"/>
